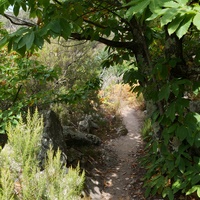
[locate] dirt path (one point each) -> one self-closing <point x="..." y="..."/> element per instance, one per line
<point x="120" y="157"/>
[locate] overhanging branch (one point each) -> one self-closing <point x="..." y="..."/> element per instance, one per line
<point x="127" y="45"/>
<point x="18" y="21"/>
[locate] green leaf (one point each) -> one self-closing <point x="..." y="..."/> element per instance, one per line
<point x="39" y="41"/>
<point x="16" y="9"/>
<point x="198" y="192"/>
<point x="166" y="137"/>
<point x="185" y="24"/>
<point x="139" y="7"/>
<point x="11" y="1"/>
<point x="173" y="26"/>
<point x="164" y="92"/>
<point x="65" y="28"/>
<point x="22" y="41"/>
<point x="181" y="104"/>
<point x="21" y="50"/>
<point x="175" y="89"/>
<point x="20" y="32"/>
<point x="168" y="192"/>
<point x="170" y="112"/>
<point x="55" y="26"/>
<point x="190" y="121"/>
<point x="172" y="128"/>
<point x="44" y="30"/>
<point x="44" y="2"/>
<point x="23" y="5"/>
<point x="171" y="4"/>
<point x="155" y="147"/>
<point x="196" y="179"/>
<point x="168" y="16"/>
<point x="131" y="3"/>
<point x="193" y="189"/>
<point x="3" y="6"/>
<point x="190" y="140"/>
<point x="181" y="165"/>
<point x="197" y="140"/>
<point x="182" y="2"/>
<point x="176" y="185"/>
<point x="197" y="117"/>
<point x="30" y="40"/>
<point x="3" y="42"/>
<point x="196" y="85"/>
<point x="10" y="44"/>
<point x="147" y="192"/>
<point x="154" y="5"/>
<point x="160" y="181"/>
<point x="181" y="132"/>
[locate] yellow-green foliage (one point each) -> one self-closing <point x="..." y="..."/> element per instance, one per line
<point x="20" y="176"/>
<point x="25" y="138"/>
<point x="147" y="128"/>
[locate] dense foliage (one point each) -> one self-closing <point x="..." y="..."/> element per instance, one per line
<point x="79" y="65"/>
<point x="162" y="39"/>
<point x="62" y="75"/>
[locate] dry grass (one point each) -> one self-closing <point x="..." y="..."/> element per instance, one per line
<point x="112" y="99"/>
<point x="115" y="96"/>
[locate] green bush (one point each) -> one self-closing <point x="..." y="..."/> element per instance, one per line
<point x="23" y="83"/>
<point x="78" y="83"/>
<point x="20" y="175"/>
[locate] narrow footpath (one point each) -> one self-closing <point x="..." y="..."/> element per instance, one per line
<point x="118" y="173"/>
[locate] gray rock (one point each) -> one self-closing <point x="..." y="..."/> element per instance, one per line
<point x="87" y="124"/>
<point x="121" y="131"/>
<point x="52" y="136"/>
<point x="195" y="106"/>
<point x="79" y="138"/>
<point x="74" y="156"/>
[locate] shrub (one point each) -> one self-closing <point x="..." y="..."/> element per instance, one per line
<point x="20" y="176"/>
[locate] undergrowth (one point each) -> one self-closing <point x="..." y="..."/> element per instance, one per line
<point x="20" y="175"/>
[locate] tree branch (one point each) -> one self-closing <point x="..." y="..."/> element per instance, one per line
<point x="17" y="21"/>
<point x="94" y="23"/>
<point x="128" y="45"/>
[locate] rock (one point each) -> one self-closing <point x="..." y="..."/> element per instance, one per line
<point x="121" y="131"/>
<point x="87" y="124"/>
<point x="73" y="156"/>
<point x="52" y="135"/>
<point x="78" y="138"/>
<point x="195" y="106"/>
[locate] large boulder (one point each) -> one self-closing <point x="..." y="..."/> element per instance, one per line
<point x="52" y="136"/>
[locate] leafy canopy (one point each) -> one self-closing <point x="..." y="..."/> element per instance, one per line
<point x="93" y="20"/>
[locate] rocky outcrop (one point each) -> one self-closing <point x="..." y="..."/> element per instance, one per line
<point x="52" y="136"/>
<point x="64" y="137"/>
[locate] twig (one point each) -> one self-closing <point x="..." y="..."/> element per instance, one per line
<point x="17" y="94"/>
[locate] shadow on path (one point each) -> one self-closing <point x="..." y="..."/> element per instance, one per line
<point x="119" y="161"/>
